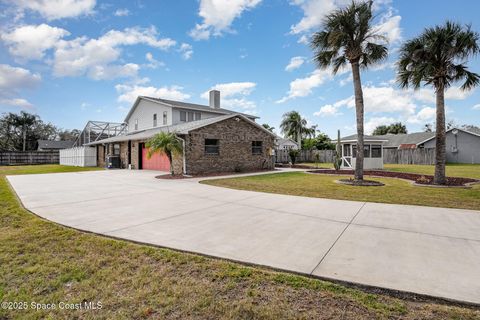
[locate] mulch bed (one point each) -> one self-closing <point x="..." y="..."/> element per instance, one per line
<point x="204" y="175"/>
<point x="418" y="178"/>
<point x="362" y="183"/>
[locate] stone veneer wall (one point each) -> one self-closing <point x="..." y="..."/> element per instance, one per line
<point x="101" y="156"/>
<point x="235" y="140"/>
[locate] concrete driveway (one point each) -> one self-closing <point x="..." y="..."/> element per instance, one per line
<point x="424" y="250"/>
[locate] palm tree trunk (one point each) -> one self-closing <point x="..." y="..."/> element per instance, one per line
<point x="357" y="84"/>
<point x="440" y="152"/>
<point x="170" y="159"/>
<point x="299" y="139"/>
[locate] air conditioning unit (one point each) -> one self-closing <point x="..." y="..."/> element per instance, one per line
<point x="454" y="149"/>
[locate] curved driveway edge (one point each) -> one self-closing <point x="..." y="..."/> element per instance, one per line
<point x="429" y="251"/>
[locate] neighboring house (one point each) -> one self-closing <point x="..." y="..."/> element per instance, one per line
<point x="215" y="139"/>
<point x="462" y="145"/>
<point x="372" y="154"/>
<point x="285" y="144"/>
<point x="52" y="145"/>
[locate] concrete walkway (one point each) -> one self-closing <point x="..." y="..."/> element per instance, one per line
<point x="424" y="250"/>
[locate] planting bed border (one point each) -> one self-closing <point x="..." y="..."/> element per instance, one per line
<point x="417" y="179"/>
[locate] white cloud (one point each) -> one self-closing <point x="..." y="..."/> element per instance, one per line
<point x="304" y="40"/>
<point x="303" y="87"/>
<point x="16" y="102"/>
<point x="57" y="9"/>
<point x="426" y="114"/>
<point x="452" y="93"/>
<point x="153" y="63"/>
<point x="389" y="26"/>
<point x="30" y="42"/>
<point x="374" y="122"/>
<point x="234" y="95"/>
<point x="331" y="109"/>
<point x="295" y="63"/>
<point x="121" y="12"/>
<point x="12" y="81"/>
<point x="186" y="50"/>
<point x="313" y="13"/>
<point x="476" y="107"/>
<point x="129" y="93"/>
<point x="97" y="57"/>
<point x="218" y="16"/>
<point x="13" y="78"/>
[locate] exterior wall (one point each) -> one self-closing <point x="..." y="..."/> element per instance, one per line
<point x="135" y="151"/>
<point x="177" y="164"/>
<point x="368" y="162"/>
<point x="144" y="113"/>
<point x="176" y="115"/>
<point x="468" y="146"/>
<point x="124" y="154"/>
<point x="235" y="151"/>
<point x="101" y="156"/>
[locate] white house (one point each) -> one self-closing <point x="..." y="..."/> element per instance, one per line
<point x="373" y="152"/>
<point x="285" y="144"/>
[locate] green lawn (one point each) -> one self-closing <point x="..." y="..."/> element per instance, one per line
<point x="46" y="263"/>
<point x="324" y="186"/>
<point x="453" y="169"/>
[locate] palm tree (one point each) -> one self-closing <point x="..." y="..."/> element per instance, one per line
<point x="349" y="37"/>
<point x="167" y="143"/>
<point x="295" y="127"/>
<point x="268" y="127"/>
<point x="438" y="57"/>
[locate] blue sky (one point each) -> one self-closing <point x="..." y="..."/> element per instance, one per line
<point x="71" y="61"/>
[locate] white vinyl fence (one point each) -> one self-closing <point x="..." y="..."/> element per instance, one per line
<point x="79" y="157"/>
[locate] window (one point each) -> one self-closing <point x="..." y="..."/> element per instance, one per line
<point x="376" y="151"/>
<point x="198" y="116"/>
<point x="116" y="149"/>
<point x="190" y="116"/>
<point x="366" y="151"/>
<point x="154" y="119"/>
<point x="354" y="151"/>
<point x="212" y="146"/>
<point x="346" y="150"/>
<point x="256" y="147"/>
<point x="183" y="116"/>
<point x="136" y="124"/>
<point x="164" y="117"/>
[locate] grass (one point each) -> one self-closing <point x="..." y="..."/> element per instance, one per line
<point x="324" y="186"/>
<point x="46" y="263"/>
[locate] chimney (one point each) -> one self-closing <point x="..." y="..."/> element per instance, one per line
<point x="214" y="99"/>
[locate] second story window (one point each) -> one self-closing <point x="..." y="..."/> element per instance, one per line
<point x="190" y="116"/>
<point x="198" y="116"/>
<point x="154" y="119"/>
<point x="136" y="124"/>
<point x="183" y="116"/>
<point x="164" y="117"/>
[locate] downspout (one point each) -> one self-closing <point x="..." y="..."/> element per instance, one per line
<point x="183" y="156"/>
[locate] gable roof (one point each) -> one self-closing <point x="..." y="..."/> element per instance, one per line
<point x="280" y="141"/>
<point x="181" y="128"/>
<point x="472" y="131"/>
<point x="183" y="105"/>
<point x="52" y="144"/>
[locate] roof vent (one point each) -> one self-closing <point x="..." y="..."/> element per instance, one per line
<point x="214" y="99"/>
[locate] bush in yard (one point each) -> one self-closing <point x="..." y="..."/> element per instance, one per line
<point x="293" y="154"/>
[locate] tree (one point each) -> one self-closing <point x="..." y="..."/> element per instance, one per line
<point x="394" y="128"/>
<point x="295" y="127"/>
<point x="268" y="127"/>
<point x="65" y="134"/>
<point x="427" y="127"/>
<point x="438" y="58"/>
<point x="21" y="131"/>
<point x="348" y="36"/>
<point x="165" y="143"/>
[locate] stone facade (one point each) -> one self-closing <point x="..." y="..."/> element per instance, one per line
<point x="235" y="148"/>
<point x="101" y="156"/>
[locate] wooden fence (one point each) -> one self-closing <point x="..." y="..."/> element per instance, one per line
<point x="281" y="156"/>
<point x="8" y="158"/>
<point x="415" y="156"/>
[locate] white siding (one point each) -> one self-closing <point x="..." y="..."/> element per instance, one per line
<point x="144" y="114"/>
<point x="205" y="115"/>
<point x="79" y="157"/>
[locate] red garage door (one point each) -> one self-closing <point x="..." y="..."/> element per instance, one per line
<point x="157" y="161"/>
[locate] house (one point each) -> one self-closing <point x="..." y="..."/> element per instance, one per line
<point x="373" y="152"/>
<point x="214" y="139"/>
<point x="285" y="144"/>
<point x="462" y="145"/>
<point x="52" y="145"/>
